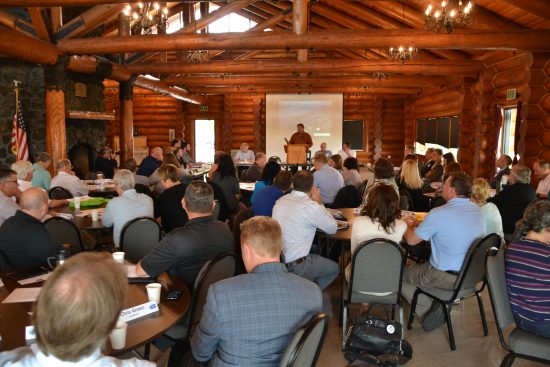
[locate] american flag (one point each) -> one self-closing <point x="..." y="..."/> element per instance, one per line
<point x="19" y="143"/>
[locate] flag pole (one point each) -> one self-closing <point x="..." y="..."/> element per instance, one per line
<point x="16" y="88"/>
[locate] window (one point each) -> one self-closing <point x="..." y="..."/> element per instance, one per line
<point x="205" y="140"/>
<point x="507" y="132"/>
<point x="438" y="133"/>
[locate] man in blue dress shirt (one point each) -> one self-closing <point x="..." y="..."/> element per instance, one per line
<point x="150" y="163"/>
<point x="250" y="319"/>
<point x="327" y="179"/>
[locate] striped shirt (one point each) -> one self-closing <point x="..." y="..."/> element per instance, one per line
<point x="528" y="280"/>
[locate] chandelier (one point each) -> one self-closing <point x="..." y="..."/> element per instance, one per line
<point x="442" y="17"/>
<point x="378" y="75"/>
<point x="402" y="54"/>
<point x="144" y="17"/>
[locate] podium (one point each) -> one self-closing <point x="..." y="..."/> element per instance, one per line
<point x="296" y="153"/>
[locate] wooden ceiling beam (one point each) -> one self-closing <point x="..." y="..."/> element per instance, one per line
<point x="531" y="40"/>
<point x="304" y="89"/>
<point x="52" y="3"/>
<point x="540" y="8"/>
<point x="435" y="67"/>
<point x="34" y="51"/>
<point x="299" y="24"/>
<point x="38" y="18"/>
<point x="13" y="22"/>
<point x="88" y="20"/>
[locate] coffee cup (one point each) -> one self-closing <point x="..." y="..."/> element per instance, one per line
<point x="118" y="335"/>
<point x="95" y="215"/>
<point x="77" y="203"/>
<point x="118" y="257"/>
<point x="153" y="292"/>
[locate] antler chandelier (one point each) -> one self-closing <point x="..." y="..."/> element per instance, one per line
<point x="442" y="17"/>
<point x="402" y="54"/>
<point x="146" y="16"/>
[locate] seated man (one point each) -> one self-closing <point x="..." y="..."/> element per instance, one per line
<point x="25" y="172"/>
<point x="66" y="179"/>
<point x="150" y="163"/>
<point x="127" y="206"/>
<point x="244" y="154"/>
<point x="503" y="166"/>
<point x="300" y="214"/>
<point x="250" y="319"/>
<point x="41" y="176"/>
<point x="435" y="173"/>
<point x="131" y="165"/>
<point x="541" y="168"/>
<point x="168" y="205"/>
<point x="23" y="238"/>
<point x="184" y="251"/>
<point x="254" y="172"/>
<point x="186" y="154"/>
<point x="267" y="196"/>
<point x="9" y="189"/>
<point x="346" y="151"/>
<point x="87" y="293"/>
<point x="327" y="179"/>
<point x="106" y="162"/>
<point x="324" y="150"/>
<point x="451" y="229"/>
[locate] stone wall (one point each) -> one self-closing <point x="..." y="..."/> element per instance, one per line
<point x="31" y="95"/>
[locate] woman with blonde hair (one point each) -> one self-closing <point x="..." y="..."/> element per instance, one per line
<point x="411" y="182"/>
<point x="154" y="179"/>
<point x="481" y="191"/>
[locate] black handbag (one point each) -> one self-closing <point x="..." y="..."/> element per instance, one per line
<point x="378" y="341"/>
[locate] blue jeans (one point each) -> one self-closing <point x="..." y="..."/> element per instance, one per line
<point x="537" y="328"/>
<point x="318" y="269"/>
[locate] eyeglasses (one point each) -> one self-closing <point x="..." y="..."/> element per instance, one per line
<point x="15" y="182"/>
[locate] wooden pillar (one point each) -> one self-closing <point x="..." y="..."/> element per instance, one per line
<point x="126" y="121"/>
<point x="56" y="136"/>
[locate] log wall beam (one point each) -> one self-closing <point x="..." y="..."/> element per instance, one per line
<point x="304" y="89"/>
<point x="438" y="67"/>
<point x="532" y="40"/>
<point x="38" y="18"/>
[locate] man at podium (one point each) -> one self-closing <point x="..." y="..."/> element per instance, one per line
<point x="301" y="137"/>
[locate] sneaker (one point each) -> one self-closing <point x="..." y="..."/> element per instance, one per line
<point x="434" y="318"/>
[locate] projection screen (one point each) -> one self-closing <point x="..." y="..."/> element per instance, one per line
<point x="322" y="115"/>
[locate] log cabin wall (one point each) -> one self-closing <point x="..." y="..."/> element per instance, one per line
<point x="393" y="126"/>
<point x="244" y="121"/>
<point x="538" y="119"/>
<point x="360" y="106"/>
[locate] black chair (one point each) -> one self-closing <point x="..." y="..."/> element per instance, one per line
<point x="65" y="231"/>
<point x="519" y="343"/>
<point x="306" y="345"/>
<point x="376" y="277"/>
<point x="138" y="237"/>
<point x="405" y="199"/>
<point x="144" y="189"/>
<point x="438" y="201"/>
<point x="59" y="193"/>
<point x="346" y="197"/>
<point x="363" y="187"/>
<point x="275" y="159"/>
<point x="243" y="215"/>
<point x="466" y="285"/>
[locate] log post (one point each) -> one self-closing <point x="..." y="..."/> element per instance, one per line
<point x="56" y="136"/>
<point x="126" y="121"/>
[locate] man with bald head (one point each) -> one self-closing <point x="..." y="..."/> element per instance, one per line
<point x="150" y="163"/>
<point x="23" y="238"/>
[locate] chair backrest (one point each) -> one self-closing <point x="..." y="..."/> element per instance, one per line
<point x="275" y="158"/>
<point x="216" y="210"/>
<point x="472" y="271"/>
<point x="403" y="202"/>
<point x="498" y="291"/>
<point x="306" y="345"/>
<point x="243" y="214"/>
<point x="138" y="237"/>
<point x="64" y="231"/>
<point x="438" y="201"/>
<point x="410" y="203"/>
<point x="219" y="268"/>
<point x="363" y="187"/>
<point x="347" y="197"/>
<point x="377" y="268"/>
<point x="59" y="193"/>
<point x="143" y="189"/>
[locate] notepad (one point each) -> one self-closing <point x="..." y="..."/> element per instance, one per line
<point x="21" y="295"/>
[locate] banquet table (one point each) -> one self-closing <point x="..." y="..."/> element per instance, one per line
<point x="16" y="316"/>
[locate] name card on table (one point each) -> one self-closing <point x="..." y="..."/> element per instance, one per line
<point x="139" y="312"/>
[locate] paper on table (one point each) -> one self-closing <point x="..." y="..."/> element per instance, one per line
<point x="131" y="271"/>
<point x="82" y="198"/>
<point x="87" y="212"/>
<point x="38" y="278"/>
<point x="20" y="295"/>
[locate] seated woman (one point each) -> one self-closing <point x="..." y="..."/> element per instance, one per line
<point x="481" y="191"/>
<point x="226" y="178"/>
<point x="351" y="172"/>
<point x="528" y="270"/>
<point x="382" y="220"/>
<point x="411" y="182"/>
<point x="154" y="179"/>
<point x="268" y="175"/>
<point x="383" y="174"/>
<point x="335" y="161"/>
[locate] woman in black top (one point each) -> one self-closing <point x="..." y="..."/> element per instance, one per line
<point x="226" y="177"/>
<point x="411" y="182"/>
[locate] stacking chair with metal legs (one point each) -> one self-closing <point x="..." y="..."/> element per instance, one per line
<point x="138" y="237"/>
<point x="376" y="276"/>
<point x="519" y="343"/>
<point x="306" y="345"/>
<point x="65" y="232"/>
<point x="470" y="277"/>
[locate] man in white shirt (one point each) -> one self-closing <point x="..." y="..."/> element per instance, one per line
<point x="541" y="168"/>
<point x="24" y="171"/>
<point x="327" y="179"/>
<point x="127" y="206"/>
<point x="324" y="149"/>
<point x="300" y="214"/>
<point x="9" y="189"/>
<point x="66" y="179"/>
<point x="244" y="154"/>
<point x="76" y="310"/>
<point x="346" y="151"/>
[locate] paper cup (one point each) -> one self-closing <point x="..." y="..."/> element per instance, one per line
<point x="118" y="335"/>
<point x="118" y="257"/>
<point x="95" y="215"/>
<point x="77" y="203"/>
<point x="153" y="292"/>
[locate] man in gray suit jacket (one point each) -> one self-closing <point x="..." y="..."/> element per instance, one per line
<point x="250" y="319"/>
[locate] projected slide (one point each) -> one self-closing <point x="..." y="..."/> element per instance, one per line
<point x="321" y="114"/>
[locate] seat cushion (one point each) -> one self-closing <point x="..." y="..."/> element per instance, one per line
<point x="523" y="342"/>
